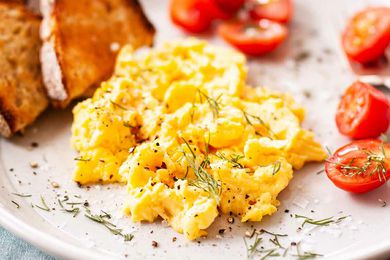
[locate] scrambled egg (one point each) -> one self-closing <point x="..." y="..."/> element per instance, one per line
<point x="190" y="139"/>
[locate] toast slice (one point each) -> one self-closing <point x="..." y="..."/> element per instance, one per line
<point x="22" y="95"/>
<point x="81" y="40"/>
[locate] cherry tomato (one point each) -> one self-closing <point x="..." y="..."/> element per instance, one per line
<point x="360" y="166"/>
<point x="367" y="34"/>
<point x="190" y="15"/>
<point x="230" y="6"/>
<point x="363" y="112"/>
<point x="276" y="10"/>
<point x="254" y="38"/>
<point x="214" y="9"/>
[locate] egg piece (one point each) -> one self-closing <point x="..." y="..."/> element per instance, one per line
<point x="180" y="126"/>
<point x="188" y="210"/>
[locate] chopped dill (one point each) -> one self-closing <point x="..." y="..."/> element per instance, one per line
<point x="252" y="249"/>
<point x="74" y="203"/>
<point x="17" y="205"/>
<point x="74" y="211"/>
<point x="328" y="151"/>
<point x="117" y="105"/>
<point x="102" y="219"/>
<point x="273" y="234"/>
<point x="269" y="253"/>
<point x="276" y="167"/>
<point x="276" y="242"/>
<point x="321" y="222"/>
<point x="204" y="180"/>
<point x="305" y="255"/>
<point x="233" y="159"/>
<point x="247" y="117"/>
<point x="44" y="205"/>
<point x="82" y="159"/>
<point x="22" y="195"/>
<point x="213" y="103"/>
<point x="308" y="255"/>
<point x="275" y="239"/>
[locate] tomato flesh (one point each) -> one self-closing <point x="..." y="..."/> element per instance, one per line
<point x="363" y="112"/>
<point x="360" y="166"/>
<point x="367" y="35"/>
<point x="276" y="10"/>
<point x="254" y="38"/>
<point x="190" y="15"/>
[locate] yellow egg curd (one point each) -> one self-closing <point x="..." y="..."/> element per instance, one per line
<point x="190" y="138"/>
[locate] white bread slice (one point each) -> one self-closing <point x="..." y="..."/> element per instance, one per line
<point x="22" y="95"/>
<point x="81" y="40"/>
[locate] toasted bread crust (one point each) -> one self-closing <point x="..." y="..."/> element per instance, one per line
<point x="13" y="1"/>
<point x="82" y="43"/>
<point x="22" y="95"/>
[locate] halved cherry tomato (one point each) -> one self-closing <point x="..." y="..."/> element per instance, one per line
<point x="276" y="10"/>
<point x="190" y="15"/>
<point x="360" y="166"/>
<point x="367" y="34"/>
<point x="363" y="112"/>
<point x="254" y="38"/>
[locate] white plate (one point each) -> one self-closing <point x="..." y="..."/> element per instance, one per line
<point x="323" y="74"/>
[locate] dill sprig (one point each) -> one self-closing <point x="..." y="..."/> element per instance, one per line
<point x="275" y="239"/>
<point x="320" y="222"/>
<point x="273" y="234"/>
<point x="102" y="219"/>
<point x="374" y="164"/>
<point x="44" y="205"/>
<point x="276" y="242"/>
<point x="117" y="105"/>
<point x="233" y="159"/>
<point x="305" y="255"/>
<point x="252" y="249"/>
<point x="74" y="211"/>
<point x="213" y="103"/>
<point x="248" y="117"/>
<point x="204" y="180"/>
<point x="269" y="253"/>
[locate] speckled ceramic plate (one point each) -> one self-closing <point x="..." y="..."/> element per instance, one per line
<point x="40" y="164"/>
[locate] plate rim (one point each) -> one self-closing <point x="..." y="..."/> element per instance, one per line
<point x="55" y="247"/>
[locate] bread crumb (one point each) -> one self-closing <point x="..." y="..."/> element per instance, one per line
<point x="34" y="165"/>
